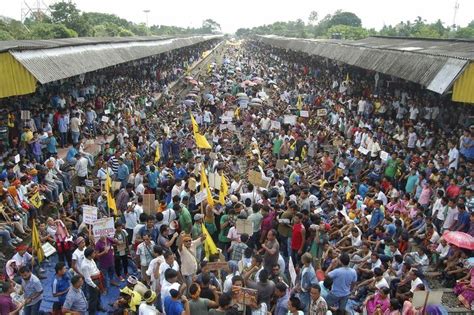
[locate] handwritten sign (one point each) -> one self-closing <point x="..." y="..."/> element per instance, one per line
<point x="200" y="196"/>
<point x="25" y="115"/>
<point x="81" y="190"/>
<point x="89" y="183"/>
<point x="105" y="119"/>
<point x="61" y="199"/>
<point x="226" y="119"/>
<point x="304" y="113"/>
<point x="17" y="159"/>
<point x="218" y="265"/>
<point x="383" y="155"/>
<point x="215" y="180"/>
<point x="257" y="179"/>
<point x="363" y="150"/>
<point x="321" y="112"/>
<point x="103" y="227"/>
<point x="244" y="226"/>
<point x="275" y="125"/>
<point x="289" y="119"/>
<point x="48" y="249"/>
<point x="89" y="214"/>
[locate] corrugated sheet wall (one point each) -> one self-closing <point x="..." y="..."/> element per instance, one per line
<point x="463" y="90"/>
<point x="14" y="78"/>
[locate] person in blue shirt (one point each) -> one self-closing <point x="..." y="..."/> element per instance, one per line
<point x="464" y="219"/>
<point x="363" y="189"/>
<point x="71" y="154"/>
<point x="179" y="171"/>
<point x="166" y="149"/>
<point x="175" y="306"/>
<point x="51" y="144"/>
<point x="61" y="284"/>
<point x="123" y="173"/>
<point x="175" y="148"/>
<point x="153" y="176"/>
<point x="377" y="215"/>
<point x="344" y="278"/>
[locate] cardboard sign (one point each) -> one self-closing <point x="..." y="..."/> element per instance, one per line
<point x="105" y="119"/>
<point x="341" y="165"/>
<point x="200" y="197"/>
<point x="227" y="126"/>
<point x="292" y="271"/>
<point x="337" y="142"/>
<point x="280" y="164"/>
<point x="17" y="159"/>
<point x="80" y="99"/>
<point x="215" y="180"/>
<point x="304" y="113"/>
<point x="245" y="296"/>
<point x="61" y="199"/>
<point x="244" y="226"/>
<point x="218" y="265"/>
<point x="383" y="155"/>
<point x="81" y="190"/>
<point x="321" y="112"/>
<point x="149" y="203"/>
<point x="89" y="214"/>
<point x="48" y="249"/>
<point x="362" y="150"/>
<point x="229" y="113"/>
<point x="106" y="111"/>
<point x="289" y="119"/>
<point x="16" y="169"/>
<point x="25" y="115"/>
<point x="89" y="183"/>
<point x="275" y="125"/>
<point x="257" y="180"/>
<point x="103" y="227"/>
<point x="423" y="298"/>
<point x="226" y="119"/>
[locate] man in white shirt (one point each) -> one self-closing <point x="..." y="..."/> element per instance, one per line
<point x="78" y="255"/>
<point x="453" y="155"/>
<point x="153" y="271"/>
<point x="81" y="167"/>
<point x="169" y="263"/>
<point x="92" y="278"/>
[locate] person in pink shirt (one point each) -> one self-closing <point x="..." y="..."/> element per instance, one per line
<point x="425" y="196"/>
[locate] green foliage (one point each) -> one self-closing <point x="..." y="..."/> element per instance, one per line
<point x="4" y="35"/>
<point x="49" y="31"/>
<point x="344" y="18"/>
<point x="348" y="32"/>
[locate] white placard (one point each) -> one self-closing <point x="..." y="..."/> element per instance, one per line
<point x="363" y="150"/>
<point x="80" y="99"/>
<point x="215" y="180"/>
<point x="89" y="214"/>
<point x="384" y="155"/>
<point x="289" y="119"/>
<point x="16" y="169"/>
<point x="341" y="165"/>
<point x="81" y="190"/>
<point x="17" y="159"/>
<point x="61" y="199"/>
<point x="200" y="196"/>
<point x="321" y="112"/>
<point x="275" y="125"/>
<point x="105" y="119"/>
<point x="304" y="113"/>
<point x="226" y="119"/>
<point x="25" y="115"/>
<point x="103" y="227"/>
<point x="106" y="111"/>
<point x="89" y="182"/>
<point x="48" y="249"/>
<point x="292" y="271"/>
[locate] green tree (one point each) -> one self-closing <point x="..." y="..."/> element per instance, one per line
<point x="4" y="35"/>
<point x="211" y="26"/>
<point x="348" y="32"/>
<point x="49" y="31"/>
<point x="345" y="18"/>
<point x="313" y="17"/>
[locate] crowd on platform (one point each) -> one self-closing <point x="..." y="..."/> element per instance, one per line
<point x="323" y="188"/>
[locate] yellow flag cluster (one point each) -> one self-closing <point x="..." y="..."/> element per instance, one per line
<point x="36" y="200"/>
<point x="201" y="141"/>
<point x="210" y="247"/>
<point x="110" y="198"/>
<point x="205" y="185"/>
<point x="36" y="243"/>
<point x="224" y="191"/>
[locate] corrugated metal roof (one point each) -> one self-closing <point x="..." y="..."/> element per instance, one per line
<point x="433" y="64"/>
<point x="61" y="60"/>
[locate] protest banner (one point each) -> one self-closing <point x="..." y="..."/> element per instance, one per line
<point x="289" y="119"/>
<point x="218" y="265"/>
<point x="275" y="125"/>
<point x="256" y="179"/>
<point x="304" y="113"/>
<point x="105" y="119"/>
<point x="89" y="214"/>
<point x="103" y="227"/>
<point x="215" y="180"/>
<point x="200" y="196"/>
<point x="363" y="150"/>
<point x="89" y="182"/>
<point x="48" y="249"/>
<point x="81" y="190"/>
<point x="383" y="155"/>
<point x="17" y="159"/>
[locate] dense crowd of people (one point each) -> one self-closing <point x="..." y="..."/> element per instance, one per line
<point x="330" y="189"/>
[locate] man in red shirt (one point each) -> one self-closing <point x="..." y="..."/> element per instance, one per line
<point x="453" y="189"/>
<point x="297" y="238"/>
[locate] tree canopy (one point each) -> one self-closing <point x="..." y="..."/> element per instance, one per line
<point x="66" y="20"/>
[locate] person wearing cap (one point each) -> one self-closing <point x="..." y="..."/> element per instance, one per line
<point x="147" y="306"/>
<point x="78" y="255"/>
<point x="135" y="296"/>
<point x="196" y="232"/>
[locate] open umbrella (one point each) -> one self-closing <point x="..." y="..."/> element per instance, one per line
<point x="459" y="239"/>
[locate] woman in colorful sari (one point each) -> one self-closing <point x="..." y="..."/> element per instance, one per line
<point x="464" y="289"/>
<point x="378" y="303"/>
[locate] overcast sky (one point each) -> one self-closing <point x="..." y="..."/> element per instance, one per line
<point x="248" y="13"/>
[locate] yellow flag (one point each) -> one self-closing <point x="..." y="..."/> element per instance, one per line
<point x="194" y="123"/>
<point x="299" y="104"/>
<point x="304" y="152"/>
<point x="205" y="185"/>
<point x="224" y="191"/>
<point x="201" y="141"/>
<point x="36" y="200"/>
<point x="157" y="153"/>
<point x="36" y="243"/>
<point x="210" y="247"/>
<point x="237" y="113"/>
<point x="110" y="198"/>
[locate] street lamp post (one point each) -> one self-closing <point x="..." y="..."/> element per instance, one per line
<point x="146" y="15"/>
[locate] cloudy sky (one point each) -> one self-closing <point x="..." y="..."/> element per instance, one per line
<point x="247" y="13"/>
